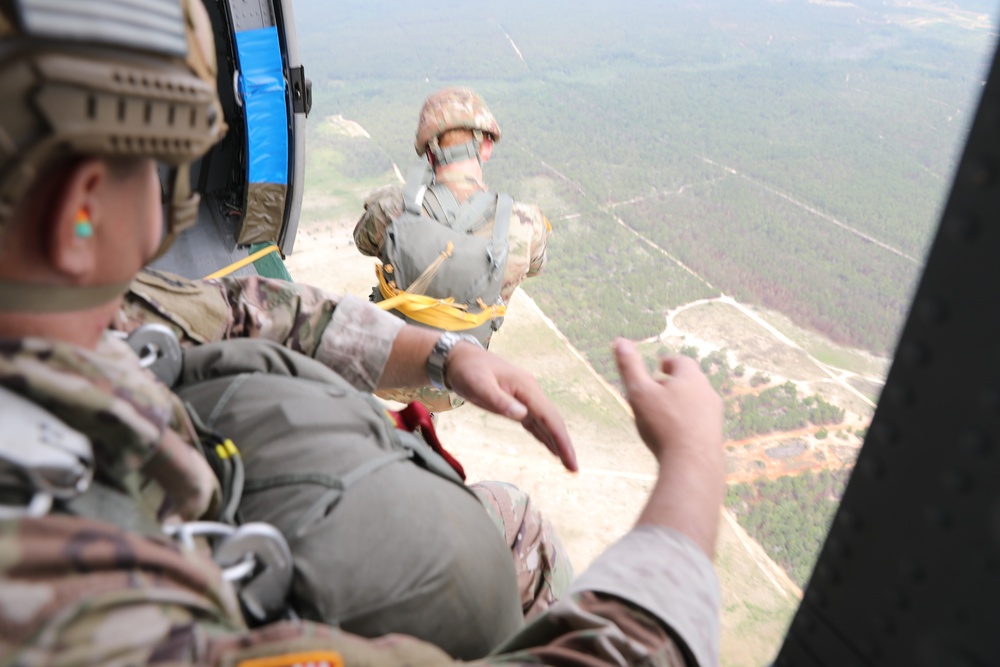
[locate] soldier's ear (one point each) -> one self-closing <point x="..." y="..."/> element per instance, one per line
<point x="486" y="149"/>
<point x="71" y="243"/>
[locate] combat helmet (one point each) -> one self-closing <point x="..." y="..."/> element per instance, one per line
<point x="454" y="109"/>
<point x="108" y="78"/>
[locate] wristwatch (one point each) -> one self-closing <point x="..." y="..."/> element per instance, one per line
<point x="439" y="356"/>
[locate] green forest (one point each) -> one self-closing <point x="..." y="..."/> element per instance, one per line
<point x="777" y="409"/>
<point x="789" y="516"/>
<point x="746" y="144"/>
<point x="770" y="410"/>
<point x="794" y="155"/>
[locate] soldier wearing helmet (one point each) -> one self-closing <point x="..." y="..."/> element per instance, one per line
<point x="455" y="109"/>
<point x="95" y="453"/>
<point x="456" y="133"/>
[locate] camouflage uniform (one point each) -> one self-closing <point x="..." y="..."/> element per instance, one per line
<point x="75" y="590"/>
<point x="353" y="338"/>
<point x="528" y="238"/>
<point x="543" y="569"/>
<point x="345" y="334"/>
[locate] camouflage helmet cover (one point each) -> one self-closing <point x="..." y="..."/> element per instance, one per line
<point x="108" y="78"/>
<point x="453" y="109"/>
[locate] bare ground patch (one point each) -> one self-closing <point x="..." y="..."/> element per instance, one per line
<point x="724" y="326"/>
<point x="711" y="326"/>
<point x="325" y="256"/>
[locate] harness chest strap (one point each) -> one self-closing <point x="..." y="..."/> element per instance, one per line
<point x="418" y="179"/>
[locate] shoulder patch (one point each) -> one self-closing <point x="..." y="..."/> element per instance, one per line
<point x="300" y="659"/>
<point x="197" y="307"/>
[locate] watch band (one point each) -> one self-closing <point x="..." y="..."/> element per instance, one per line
<point x="439" y="356"/>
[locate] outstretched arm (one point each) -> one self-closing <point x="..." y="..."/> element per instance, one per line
<point x="346" y="333"/>
<point x="652" y="597"/>
<point x="679" y="417"/>
<point x="485" y="380"/>
<point x="367" y="346"/>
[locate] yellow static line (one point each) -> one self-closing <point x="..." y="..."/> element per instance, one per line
<point x="235" y="266"/>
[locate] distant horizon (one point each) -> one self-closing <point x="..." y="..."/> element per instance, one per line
<point x="812" y="144"/>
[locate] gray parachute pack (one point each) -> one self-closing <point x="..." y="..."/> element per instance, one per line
<point x="431" y="220"/>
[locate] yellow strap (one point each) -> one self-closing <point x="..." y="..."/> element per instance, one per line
<point x="237" y="265"/>
<point x="331" y="658"/>
<point x="438" y="313"/>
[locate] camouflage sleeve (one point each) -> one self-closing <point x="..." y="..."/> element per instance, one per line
<point x="81" y="591"/>
<point x="652" y="598"/>
<point x="348" y="334"/>
<point x="663" y="572"/>
<point x="125" y="410"/>
<point x="77" y="591"/>
<point x="592" y="630"/>
<point x="540" y="229"/>
<point x="380" y="208"/>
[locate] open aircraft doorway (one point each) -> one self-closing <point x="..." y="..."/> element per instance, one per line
<point x="251" y="183"/>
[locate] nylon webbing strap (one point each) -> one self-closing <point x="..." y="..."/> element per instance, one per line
<point x="475" y="212"/>
<point x="182" y="208"/>
<point x="224" y="458"/>
<point x="466" y="217"/>
<point x="35" y="298"/>
<point x="433" y="312"/>
<point x="501" y="227"/>
<point x="442" y="204"/>
<point x="457" y="153"/>
<point x="418" y="179"/>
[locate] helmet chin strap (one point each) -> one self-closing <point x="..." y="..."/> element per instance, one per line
<point x="459" y="152"/>
<point x="182" y="208"/>
<point x="36" y="298"/>
<point x="182" y="213"/>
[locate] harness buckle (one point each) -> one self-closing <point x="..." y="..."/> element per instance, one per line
<point x="254" y="557"/>
<point x="40" y="455"/>
<point x="159" y="351"/>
